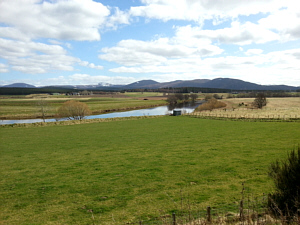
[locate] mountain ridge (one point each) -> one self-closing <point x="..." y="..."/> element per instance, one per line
<point x="218" y="83"/>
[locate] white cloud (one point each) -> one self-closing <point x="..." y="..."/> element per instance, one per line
<point x="65" y="20"/>
<point x="285" y="21"/>
<point x="118" y="17"/>
<point x="89" y="79"/>
<point x="3" y="68"/>
<point x="240" y="34"/>
<point x="159" y="51"/>
<point x="13" y="33"/>
<point x="200" y="10"/>
<point x="33" y="57"/>
<point x="254" y="51"/>
<point x="90" y="65"/>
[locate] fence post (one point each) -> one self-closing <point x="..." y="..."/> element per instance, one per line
<point x="174" y="218"/>
<point x="208" y="214"/>
<point x="242" y="211"/>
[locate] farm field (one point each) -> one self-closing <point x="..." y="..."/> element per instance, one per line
<point x="136" y="169"/>
<point x="28" y="107"/>
<point x="282" y="108"/>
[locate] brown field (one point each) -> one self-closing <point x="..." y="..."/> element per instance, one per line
<point x="242" y="108"/>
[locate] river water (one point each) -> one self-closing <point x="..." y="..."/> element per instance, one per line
<point x="160" y="110"/>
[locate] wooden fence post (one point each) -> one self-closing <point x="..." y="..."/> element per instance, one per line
<point x="174" y="218"/>
<point x="242" y="211"/>
<point x="208" y="214"/>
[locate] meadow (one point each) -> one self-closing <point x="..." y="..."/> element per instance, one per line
<point x="137" y="169"/>
<point x="282" y="108"/>
<point x="27" y="107"/>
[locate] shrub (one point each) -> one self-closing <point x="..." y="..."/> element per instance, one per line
<point x="207" y="97"/>
<point x="286" y="176"/>
<point x="74" y="110"/>
<point x="211" y="104"/>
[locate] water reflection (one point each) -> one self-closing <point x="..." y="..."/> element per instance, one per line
<point x="155" y="111"/>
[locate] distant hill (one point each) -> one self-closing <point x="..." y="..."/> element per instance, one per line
<point x="142" y="84"/>
<point x="219" y="83"/>
<point x="19" y="85"/>
<point x="235" y="84"/>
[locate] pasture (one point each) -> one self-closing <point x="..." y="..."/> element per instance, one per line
<point x="282" y="108"/>
<point x="28" y="107"/>
<point x="135" y="169"/>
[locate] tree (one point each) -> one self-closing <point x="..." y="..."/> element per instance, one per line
<point x="186" y="97"/>
<point x="42" y="104"/>
<point x="260" y="101"/>
<point x="194" y="97"/>
<point x="286" y="176"/>
<point x="172" y="99"/>
<point x="74" y="110"/>
<point x="179" y="96"/>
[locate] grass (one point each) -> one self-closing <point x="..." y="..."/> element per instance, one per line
<point x="22" y="108"/>
<point x="276" y="108"/>
<point x="138" y="169"/>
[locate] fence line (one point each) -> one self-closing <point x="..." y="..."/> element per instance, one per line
<point x="247" y="211"/>
<point x="236" y="116"/>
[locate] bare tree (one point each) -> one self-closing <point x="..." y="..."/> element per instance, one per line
<point x="179" y="96"/>
<point x="260" y="101"/>
<point x="172" y="99"/>
<point x="186" y="97"/>
<point x="194" y="97"/>
<point x="74" y="110"/>
<point x="43" y="105"/>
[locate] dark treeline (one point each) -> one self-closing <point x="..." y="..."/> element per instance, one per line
<point x="235" y="93"/>
<point x="28" y="91"/>
<point x="269" y="94"/>
<point x="181" y="90"/>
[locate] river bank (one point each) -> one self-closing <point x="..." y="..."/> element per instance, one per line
<point x="95" y="112"/>
<point x="187" y="107"/>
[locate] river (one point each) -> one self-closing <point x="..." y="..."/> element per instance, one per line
<point x="160" y="110"/>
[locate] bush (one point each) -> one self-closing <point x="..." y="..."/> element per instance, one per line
<point x="74" y="110"/>
<point x="211" y="104"/>
<point x="208" y="97"/>
<point x="286" y="176"/>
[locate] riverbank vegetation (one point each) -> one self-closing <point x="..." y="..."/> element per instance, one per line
<point x="131" y="170"/>
<point x="210" y="105"/>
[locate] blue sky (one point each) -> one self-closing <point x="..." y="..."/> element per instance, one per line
<point x="74" y="42"/>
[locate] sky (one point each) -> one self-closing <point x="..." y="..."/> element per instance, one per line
<point x="86" y="42"/>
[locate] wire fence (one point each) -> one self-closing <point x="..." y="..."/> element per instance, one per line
<point x="245" y="213"/>
<point x="250" y="114"/>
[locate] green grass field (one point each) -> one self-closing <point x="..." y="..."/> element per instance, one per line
<point x="19" y="108"/>
<point x="132" y="170"/>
